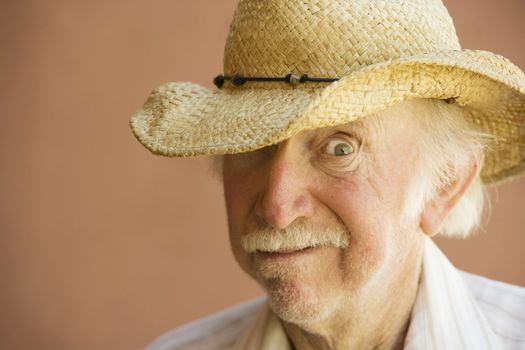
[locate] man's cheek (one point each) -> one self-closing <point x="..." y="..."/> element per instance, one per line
<point x="243" y="259"/>
<point x="364" y="256"/>
<point x="239" y="198"/>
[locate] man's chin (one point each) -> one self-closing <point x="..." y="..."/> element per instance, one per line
<point x="295" y="302"/>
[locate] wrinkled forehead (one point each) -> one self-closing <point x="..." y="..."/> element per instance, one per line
<point x="400" y="121"/>
<point x="380" y="125"/>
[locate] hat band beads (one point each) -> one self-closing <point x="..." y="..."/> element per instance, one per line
<point x="291" y="78"/>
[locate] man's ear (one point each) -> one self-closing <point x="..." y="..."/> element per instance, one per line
<point x="435" y="211"/>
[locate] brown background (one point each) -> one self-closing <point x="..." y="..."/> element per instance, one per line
<point x="105" y="246"/>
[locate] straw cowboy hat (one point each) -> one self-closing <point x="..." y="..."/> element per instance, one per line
<point x="293" y="65"/>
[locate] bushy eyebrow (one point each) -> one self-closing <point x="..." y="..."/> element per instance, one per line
<point x="370" y="127"/>
<point x="359" y="128"/>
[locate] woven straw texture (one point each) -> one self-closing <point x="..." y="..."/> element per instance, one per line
<point x="384" y="52"/>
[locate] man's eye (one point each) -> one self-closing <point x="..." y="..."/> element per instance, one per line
<point x="249" y="160"/>
<point x="338" y="148"/>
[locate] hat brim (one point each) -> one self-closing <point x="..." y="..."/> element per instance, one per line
<point x="186" y="119"/>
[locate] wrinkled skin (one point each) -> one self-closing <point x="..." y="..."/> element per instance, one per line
<point x="355" y="177"/>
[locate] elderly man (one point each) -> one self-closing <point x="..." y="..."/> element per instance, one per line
<point x="348" y="134"/>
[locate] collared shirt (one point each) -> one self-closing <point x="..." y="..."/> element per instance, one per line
<point x="470" y="312"/>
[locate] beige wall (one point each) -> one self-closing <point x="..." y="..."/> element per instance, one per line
<point x="105" y="246"/>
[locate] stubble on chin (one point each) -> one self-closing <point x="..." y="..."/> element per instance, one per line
<point x="294" y="302"/>
<point x="298" y="297"/>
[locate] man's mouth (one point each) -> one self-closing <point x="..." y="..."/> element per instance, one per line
<point x="284" y="253"/>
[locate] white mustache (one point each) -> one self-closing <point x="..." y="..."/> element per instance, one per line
<point x="295" y="237"/>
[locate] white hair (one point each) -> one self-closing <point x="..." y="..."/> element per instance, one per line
<point x="449" y="145"/>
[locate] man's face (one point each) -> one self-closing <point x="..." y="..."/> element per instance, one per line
<point x="350" y="179"/>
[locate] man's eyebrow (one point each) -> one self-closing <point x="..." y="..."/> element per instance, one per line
<point x="355" y="129"/>
<point x="358" y="127"/>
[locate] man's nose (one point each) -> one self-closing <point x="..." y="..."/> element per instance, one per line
<point x="285" y="196"/>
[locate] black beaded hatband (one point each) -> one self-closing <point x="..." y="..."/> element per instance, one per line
<point x="291" y="78"/>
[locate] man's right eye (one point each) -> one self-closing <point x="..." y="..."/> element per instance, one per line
<point x="253" y="158"/>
